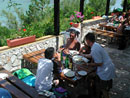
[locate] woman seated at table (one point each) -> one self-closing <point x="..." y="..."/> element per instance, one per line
<point x="45" y="72"/>
<point x="72" y="43"/>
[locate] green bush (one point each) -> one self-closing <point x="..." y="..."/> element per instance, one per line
<point x="39" y="19"/>
<point x="4" y="33"/>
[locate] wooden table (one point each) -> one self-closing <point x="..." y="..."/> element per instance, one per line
<point x="16" y="87"/>
<point x="108" y="27"/>
<point x="33" y="58"/>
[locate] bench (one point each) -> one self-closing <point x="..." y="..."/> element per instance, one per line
<point x="107" y="27"/>
<point x="18" y="88"/>
<point x="30" y="60"/>
<point x="105" y="33"/>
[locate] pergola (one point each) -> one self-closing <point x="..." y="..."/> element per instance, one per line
<point x="57" y="12"/>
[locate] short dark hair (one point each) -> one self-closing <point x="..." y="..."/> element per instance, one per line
<point x="49" y="52"/>
<point x="90" y="36"/>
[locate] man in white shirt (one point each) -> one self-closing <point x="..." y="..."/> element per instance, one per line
<point x="105" y="68"/>
<point x="44" y="75"/>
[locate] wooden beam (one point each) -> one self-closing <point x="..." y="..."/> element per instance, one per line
<point x="56" y="17"/>
<point x="124" y="5"/>
<point x="107" y="7"/>
<point x="82" y="6"/>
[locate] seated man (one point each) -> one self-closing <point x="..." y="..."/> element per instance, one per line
<point x="105" y="68"/>
<point x="44" y="75"/>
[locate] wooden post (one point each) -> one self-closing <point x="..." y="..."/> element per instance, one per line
<point x="82" y="6"/>
<point x="82" y="12"/>
<point x="124" y="5"/>
<point x="56" y="17"/>
<point x="107" y="7"/>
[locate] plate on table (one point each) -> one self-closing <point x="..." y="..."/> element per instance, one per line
<point x="65" y="70"/>
<point x="73" y="52"/>
<point x="79" y="59"/>
<point x="85" y="59"/>
<point x="82" y="73"/>
<point x="70" y="74"/>
<point x="3" y="75"/>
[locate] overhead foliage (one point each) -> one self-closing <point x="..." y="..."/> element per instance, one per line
<point x="39" y="18"/>
<point x="128" y="4"/>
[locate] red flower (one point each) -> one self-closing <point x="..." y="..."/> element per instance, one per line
<point x="71" y="23"/>
<point x="24" y="30"/>
<point x="92" y="12"/>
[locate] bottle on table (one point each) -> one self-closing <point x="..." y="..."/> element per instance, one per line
<point x="67" y="61"/>
<point x="61" y="57"/>
<point x="70" y="63"/>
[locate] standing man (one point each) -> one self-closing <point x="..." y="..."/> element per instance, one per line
<point x="105" y="68"/>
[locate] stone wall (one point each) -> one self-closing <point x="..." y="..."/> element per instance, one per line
<point x="11" y="59"/>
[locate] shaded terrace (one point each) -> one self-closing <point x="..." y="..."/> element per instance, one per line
<point x="121" y="58"/>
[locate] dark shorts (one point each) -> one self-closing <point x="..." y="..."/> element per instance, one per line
<point x="102" y="84"/>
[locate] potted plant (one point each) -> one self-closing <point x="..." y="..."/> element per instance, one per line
<point x="96" y="17"/>
<point x="20" y="41"/>
<point x="76" y="19"/>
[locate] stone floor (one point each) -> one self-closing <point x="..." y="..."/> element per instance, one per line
<point x="121" y="59"/>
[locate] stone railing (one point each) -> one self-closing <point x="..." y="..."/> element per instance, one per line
<point x="11" y="58"/>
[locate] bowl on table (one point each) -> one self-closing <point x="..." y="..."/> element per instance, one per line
<point x="79" y="59"/>
<point x="70" y="74"/>
<point x="82" y="73"/>
<point x="73" y="52"/>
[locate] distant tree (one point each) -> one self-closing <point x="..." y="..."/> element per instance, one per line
<point x="128" y="4"/>
<point x="37" y="10"/>
<point x="112" y="2"/>
<point x="11" y="22"/>
<point x="96" y="7"/>
<point x="67" y="7"/>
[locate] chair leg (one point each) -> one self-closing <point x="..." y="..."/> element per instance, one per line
<point x="107" y="40"/>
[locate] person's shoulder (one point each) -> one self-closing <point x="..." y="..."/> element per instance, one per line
<point x="45" y="60"/>
<point x="96" y="46"/>
<point x="76" y="41"/>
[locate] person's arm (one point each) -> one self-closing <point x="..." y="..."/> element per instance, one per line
<point x="86" y="56"/>
<point x="81" y="49"/>
<point x="95" y="64"/>
<point x="67" y="44"/>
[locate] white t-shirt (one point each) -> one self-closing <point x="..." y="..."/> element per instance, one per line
<point x="107" y="70"/>
<point x="44" y="75"/>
